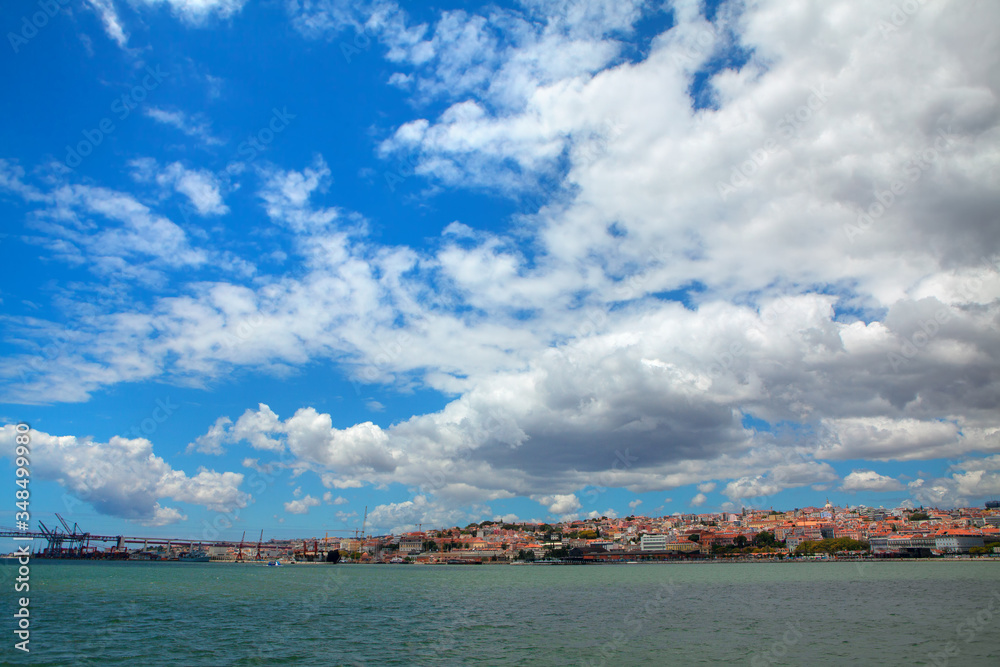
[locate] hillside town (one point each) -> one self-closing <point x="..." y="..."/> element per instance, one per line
<point x="810" y="532"/>
<point x="750" y="533"/>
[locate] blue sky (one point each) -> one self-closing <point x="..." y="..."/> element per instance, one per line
<point x="267" y="264"/>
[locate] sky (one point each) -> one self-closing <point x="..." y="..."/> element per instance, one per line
<point x="269" y="264"/>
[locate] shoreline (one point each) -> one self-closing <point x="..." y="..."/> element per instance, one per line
<point x="8" y="560"/>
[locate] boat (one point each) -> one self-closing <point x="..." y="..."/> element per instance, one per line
<point x="194" y="557"/>
<point x="274" y="563"/>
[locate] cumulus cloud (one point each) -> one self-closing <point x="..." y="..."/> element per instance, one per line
<point x="124" y="478"/>
<point x="287" y="194"/>
<point x="869" y="480"/>
<point x="560" y="503"/>
<point x="302" y="505"/>
<point x="201" y="187"/>
<point x="162" y="516"/>
<point x="695" y="263"/>
<point x="306" y="439"/>
<point x="961" y="489"/>
<point x="405" y="516"/>
<point x="698" y="500"/>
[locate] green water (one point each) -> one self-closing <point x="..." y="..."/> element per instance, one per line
<point x="751" y="614"/>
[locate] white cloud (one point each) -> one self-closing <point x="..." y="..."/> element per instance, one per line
<point x="887" y="438"/>
<point x="407" y="515"/>
<point x="568" y="342"/>
<point x="301" y="506"/>
<point x="105" y="9"/>
<point x="559" y="503"/>
<point x="698" y="500"/>
<point x="310" y="438"/>
<point x="212" y="441"/>
<point x="196" y="126"/>
<point x="635" y="503"/>
<point x="198" y="12"/>
<point x="286" y="196"/>
<point x="707" y="487"/>
<point x="124" y="478"/>
<point x="746" y="488"/>
<point x="961" y="489"/>
<point x="201" y="187"/>
<point x="869" y="480"/>
<point x="163" y="516"/>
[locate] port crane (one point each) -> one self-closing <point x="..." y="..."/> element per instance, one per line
<point x="239" y="558"/>
<point x="76" y="536"/>
<point x="53" y="536"/>
<point x="259" y="543"/>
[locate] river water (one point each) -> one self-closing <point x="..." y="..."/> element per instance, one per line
<point x="133" y="613"/>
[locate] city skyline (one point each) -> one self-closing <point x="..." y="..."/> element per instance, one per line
<point x="287" y="263"/>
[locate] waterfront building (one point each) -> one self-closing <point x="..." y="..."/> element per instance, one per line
<point x="653" y="543"/>
<point x="957" y="541"/>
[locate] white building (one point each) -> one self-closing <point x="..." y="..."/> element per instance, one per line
<point x="957" y="542"/>
<point x="653" y="543"/>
